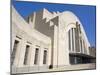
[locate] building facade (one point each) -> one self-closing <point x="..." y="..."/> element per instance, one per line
<point x="48" y="40"/>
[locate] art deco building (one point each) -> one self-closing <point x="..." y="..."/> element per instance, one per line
<point x="48" y="41"/>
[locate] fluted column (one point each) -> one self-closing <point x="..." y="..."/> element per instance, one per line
<point x="74" y="40"/>
<point x="55" y="58"/>
<point x="20" y="54"/>
<point x="71" y="38"/>
<point x="77" y="38"/>
<point x="32" y="55"/>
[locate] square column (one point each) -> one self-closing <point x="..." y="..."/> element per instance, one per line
<point x="71" y="35"/>
<point x="55" y="47"/>
<point x="32" y="54"/>
<point x="74" y="40"/>
<point x="18" y="52"/>
<point x="49" y="55"/>
<point x="42" y="47"/>
<point x="63" y="51"/>
<point x="21" y="53"/>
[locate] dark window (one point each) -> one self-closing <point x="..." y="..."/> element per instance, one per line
<point x="85" y="50"/>
<point x="81" y="44"/>
<point x="28" y="19"/>
<point x="72" y="39"/>
<point x="45" y="57"/>
<point x="69" y="40"/>
<point x="26" y="54"/>
<point x="79" y="60"/>
<point x="76" y="40"/>
<point x="14" y="51"/>
<point x="36" y="56"/>
<point x="79" y="28"/>
<point x="72" y="60"/>
<point x="75" y="60"/>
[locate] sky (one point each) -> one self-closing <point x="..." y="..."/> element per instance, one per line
<point x="86" y="14"/>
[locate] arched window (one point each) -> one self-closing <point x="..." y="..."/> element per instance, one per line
<point x="71" y="39"/>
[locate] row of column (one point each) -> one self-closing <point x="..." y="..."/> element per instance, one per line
<point x="71" y="35"/>
<point x="76" y="42"/>
<point x="27" y="54"/>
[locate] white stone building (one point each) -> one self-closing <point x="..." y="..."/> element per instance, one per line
<point x="48" y="41"/>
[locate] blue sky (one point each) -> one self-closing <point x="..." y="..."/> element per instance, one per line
<point x="86" y="14"/>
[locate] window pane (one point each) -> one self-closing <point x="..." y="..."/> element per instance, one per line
<point x="72" y="39"/>
<point x="26" y="54"/>
<point x="81" y="45"/>
<point x="69" y="40"/>
<point x="36" y="56"/>
<point x="72" y="60"/>
<point x="45" y="57"/>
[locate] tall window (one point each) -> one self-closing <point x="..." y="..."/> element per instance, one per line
<point x="85" y="51"/>
<point x="45" y="57"/>
<point x="75" y="59"/>
<point x="26" y="55"/>
<point x="69" y="40"/>
<point x="72" y="39"/>
<point x="36" y="56"/>
<point x="14" y="51"/>
<point x="77" y="39"/>
<point x="81" y="45"/>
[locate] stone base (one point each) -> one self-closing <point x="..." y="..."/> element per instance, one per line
<point x="37" y="69"/>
